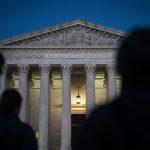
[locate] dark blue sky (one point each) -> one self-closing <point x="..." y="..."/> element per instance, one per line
<point x="21" y="16"/>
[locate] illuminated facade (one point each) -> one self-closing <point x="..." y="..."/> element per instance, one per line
<point x="51" y="67"/>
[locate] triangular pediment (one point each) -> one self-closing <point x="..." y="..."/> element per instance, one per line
<point x="75" y="33"/>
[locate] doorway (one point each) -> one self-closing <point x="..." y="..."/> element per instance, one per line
<point x="77" y="121"/>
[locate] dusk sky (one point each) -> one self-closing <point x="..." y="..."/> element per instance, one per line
<point x="20" y="16"/>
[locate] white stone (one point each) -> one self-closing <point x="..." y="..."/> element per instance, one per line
<point x="90" y="88"/>
<point x="44" y="107"/>
<point x="112" y="89"/>
<point x="78" y="43"/>
<point x="23" y="89"/>
<point x="3" y="79"/>
<point x="66" y="108"/>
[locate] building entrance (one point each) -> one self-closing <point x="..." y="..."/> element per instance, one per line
<point x="77" y="121"/>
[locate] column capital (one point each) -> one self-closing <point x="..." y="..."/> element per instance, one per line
<point x="45" y="68"/>
<point x="4" y="69"/>
<point x="110" y="67"/>
<point x="90" y="68"/>
<point x="23" y="68"/>
<point x="66" y="68"/>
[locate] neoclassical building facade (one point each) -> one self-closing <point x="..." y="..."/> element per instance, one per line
<point x="53" y="66"/>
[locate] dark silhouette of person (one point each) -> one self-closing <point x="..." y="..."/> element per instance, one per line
<point x="124" y="124"/>
<point x="1" y="62"/>
<point x="14" y="134"/>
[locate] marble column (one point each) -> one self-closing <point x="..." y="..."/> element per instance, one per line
<point x="23" y="89"/>
<point x="3" y="79"/>
<point x="111" y="81"/>
<point x="90" y="87"/>
<point x="44" y="107"/>
<point x="66" y="108"/>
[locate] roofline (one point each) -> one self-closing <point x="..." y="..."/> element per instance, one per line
<point x="59" y="47"/>
<point x="62" y="26"/>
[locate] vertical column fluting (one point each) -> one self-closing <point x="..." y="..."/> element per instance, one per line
<point x="90" y="87"/>
<point x="44" y="107"/>
<point x="3" y="79"/>
<point x="111" y="81"/>
<point x="23" y="77"/>
<point x="66" y="108"/>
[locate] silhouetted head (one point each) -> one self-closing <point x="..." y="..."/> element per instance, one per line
<point x="133" y="62"/>
<point x="1" y="62"/>
<point x="10" y="101"/>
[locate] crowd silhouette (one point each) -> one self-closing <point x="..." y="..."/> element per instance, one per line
<point x="14" y="134"/>
<point x="124" y="124"/>
<point x="1" y="62"/>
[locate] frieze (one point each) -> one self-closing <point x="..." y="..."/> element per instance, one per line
<point x="90" y="68"/>
<point x="46" y="54"/>
<point x="68" y="55"/>
<point x="23" y="55"/>
<point x="39" y="51"/>
<point x="76" y="35"/>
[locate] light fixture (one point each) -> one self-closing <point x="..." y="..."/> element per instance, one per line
<point x="78" y="98"/>
<point x="37" y="134"/>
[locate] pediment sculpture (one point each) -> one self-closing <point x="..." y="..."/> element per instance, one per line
<point x="75" y="36"/>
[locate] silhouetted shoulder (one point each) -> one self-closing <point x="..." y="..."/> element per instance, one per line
<point x="29" y="142"/>
<point x="106" y="111"/>
<point x="16" y="134"/>
<point x="102" y="121"/>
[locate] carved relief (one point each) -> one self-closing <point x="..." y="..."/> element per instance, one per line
<point x="11" y="80"/>
<point x="44" y="68"/>
<point x="90" y="68"/>
<point x="31" y="80"/>
<point x="66" y="68"/>
<point x="23" y="68"/>
<point x="73" y="36"/>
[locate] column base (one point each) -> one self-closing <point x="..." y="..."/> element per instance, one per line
<point x="65" y="148"/>
<point x="43" y="147"/>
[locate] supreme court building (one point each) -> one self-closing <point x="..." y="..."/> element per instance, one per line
<point x="54" y="66"/>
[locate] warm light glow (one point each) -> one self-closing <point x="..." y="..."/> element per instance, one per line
<point x="78" y="99"/>
<point x="36" y="134"/>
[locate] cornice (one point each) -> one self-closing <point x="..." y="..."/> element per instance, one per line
<point x="57" y="49"/>
<point x="60" y="27"/>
